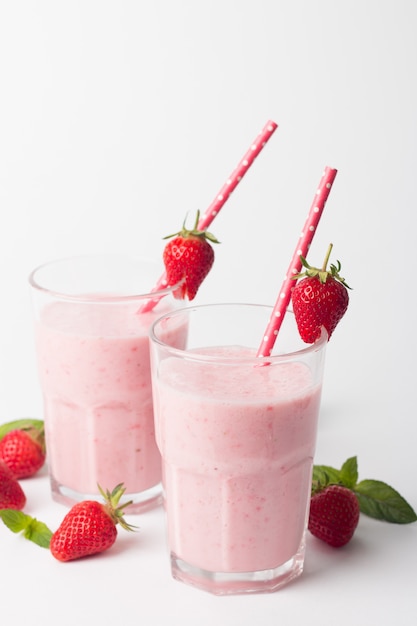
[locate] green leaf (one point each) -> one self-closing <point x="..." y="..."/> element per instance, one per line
<point x="325" y="475"/>
<point x="349" y="472"/>
<point x="38" y="533"/>
<point x="15" y="520"/>
<point x="32" y="529"/>
<point x="380" y="501"/>
<point x="24" y="422"/>
<point x="347" y="475"/>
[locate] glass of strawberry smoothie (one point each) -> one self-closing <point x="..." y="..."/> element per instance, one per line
<point x="237" y="436"/>
<point x="92" y="349"/>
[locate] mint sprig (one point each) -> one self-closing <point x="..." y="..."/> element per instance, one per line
<point x="32" y="529"/>
<point x="376" y="498"/>
<point x="23" y="423"/>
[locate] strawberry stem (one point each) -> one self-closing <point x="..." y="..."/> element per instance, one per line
<point x="327" y="257"/>
<point x="323" y="273"/>
<point x="197" y="219"/>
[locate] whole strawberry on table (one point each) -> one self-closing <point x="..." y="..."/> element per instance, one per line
<point x="338" y="498"/>
<point x="22" y="446"/>
<point x="12" y="495"/>
<point x="89" y="527"/>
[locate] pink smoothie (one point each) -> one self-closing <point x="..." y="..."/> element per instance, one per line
<point x="95" y="378"/>
<point x="237" y="444"/>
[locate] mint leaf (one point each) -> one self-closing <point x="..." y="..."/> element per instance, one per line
<point x="346" y="476"/>
<point x="349" y="472"/>
<point x="380" y="501"/>
<point x="15" y="520"/>
<point x="38" y="533"/>
<point x="376" y="498"/>
<point x="24" y="422"/>
<point x="324" y="474"/>
<point x="32" y="529"/>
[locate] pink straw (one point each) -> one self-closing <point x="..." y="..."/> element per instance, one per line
<point x="234" y="179"/>
<point x="284" y="296"/>
<point x="237" y="175"/>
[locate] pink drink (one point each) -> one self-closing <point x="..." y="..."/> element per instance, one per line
<point x="237" y="441"/>
<point x="97" y="401"/>
<point x="243" y="468"/>
<point x="94" y="370"/>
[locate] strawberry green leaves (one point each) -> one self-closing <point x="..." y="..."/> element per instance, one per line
<point x="376" y="499"/>
<point x="32" y="529"/>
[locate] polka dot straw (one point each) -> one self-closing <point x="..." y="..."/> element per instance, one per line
<point x="307" y="234"/>
<point x="237" y="175"/>
<point x="234" y="179"/>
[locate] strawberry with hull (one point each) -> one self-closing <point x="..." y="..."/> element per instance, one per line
<point x="338" y="498"/>
<point x="188" y="258"/>
<point x="90" y="527"/>
<point x="319" y="299"/>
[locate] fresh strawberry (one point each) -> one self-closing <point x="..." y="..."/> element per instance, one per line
<point x="23" y="450"/>
<point x="188" y="258"/>
<point x="89" y="527"/>
<point x="376" y="498"/>
<point x="334" y="515"/>
<point x="12" y="495"/>
<point x="319" y="299"/>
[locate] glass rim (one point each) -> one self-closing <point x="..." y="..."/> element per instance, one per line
<point x="192" y="355"/>
<point x="97" y="297"/>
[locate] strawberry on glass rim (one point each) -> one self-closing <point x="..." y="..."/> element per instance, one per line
<point x="319" y="299"/>
<point x="188" y="258"/>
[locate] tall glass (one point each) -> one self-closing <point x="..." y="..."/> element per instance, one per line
<point x="237" y="436"/>
<point x="93" y="359"/>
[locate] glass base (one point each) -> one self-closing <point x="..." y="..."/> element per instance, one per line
<point x="141" y="502"/>
<point x="229" y="583"/>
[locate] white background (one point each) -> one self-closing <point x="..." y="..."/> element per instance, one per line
<point x="119" y="118"/>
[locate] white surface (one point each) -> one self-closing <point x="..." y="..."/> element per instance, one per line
<point x="118" y="118"/>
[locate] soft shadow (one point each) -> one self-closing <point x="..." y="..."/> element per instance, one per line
<point x="322" y="558"/>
